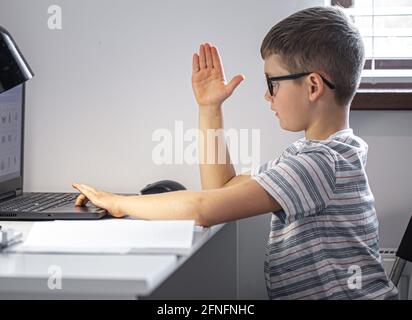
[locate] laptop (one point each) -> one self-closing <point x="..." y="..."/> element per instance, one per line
<point x="14" y="203"/>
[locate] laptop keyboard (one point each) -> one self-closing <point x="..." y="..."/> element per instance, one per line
<point x="38" y="201"/>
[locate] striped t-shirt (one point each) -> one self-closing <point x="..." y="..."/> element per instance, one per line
<point x="323" y="244"/>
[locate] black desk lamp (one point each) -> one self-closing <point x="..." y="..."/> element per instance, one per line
<point x="14" y="69"/>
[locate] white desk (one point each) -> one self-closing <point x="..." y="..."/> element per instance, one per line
<point x="27" y="275"/>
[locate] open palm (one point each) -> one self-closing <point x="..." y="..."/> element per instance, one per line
<point x="208" y="77"/>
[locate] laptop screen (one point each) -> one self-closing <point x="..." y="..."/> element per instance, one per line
<point x="11" y="104"/>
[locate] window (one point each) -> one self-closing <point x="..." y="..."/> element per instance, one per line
<point x="386" y="28"/>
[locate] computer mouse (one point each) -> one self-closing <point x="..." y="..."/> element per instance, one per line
<point x="162" y="186"/>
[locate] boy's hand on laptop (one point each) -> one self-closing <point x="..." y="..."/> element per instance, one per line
<point x="99" y="198"/>
<point x="208" y="77"/>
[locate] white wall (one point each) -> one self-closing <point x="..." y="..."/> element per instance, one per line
<point x="389" y="135"/>
<point x="118" y="70"/>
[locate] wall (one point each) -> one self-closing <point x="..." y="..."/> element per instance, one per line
<point x="118" y="71"/>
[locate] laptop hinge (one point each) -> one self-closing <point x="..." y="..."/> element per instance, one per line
<point x="19" y="192"/>
<point x="8" y="195"/>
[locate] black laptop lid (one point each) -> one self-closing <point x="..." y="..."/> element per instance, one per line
<point x="11" y="139"/>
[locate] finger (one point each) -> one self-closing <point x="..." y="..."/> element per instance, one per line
<point x="195" y="63"/>
<point x="235" y="82"/>
<point x="89" y="188"/>
<point x="217" y="62"/>
<point x="81" y="200"/>
<point x="202" y="57"/>
<point x="89" y="194"/>
<point x="209" y="62"/>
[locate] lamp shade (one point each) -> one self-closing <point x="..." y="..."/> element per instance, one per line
<point x="14" y="69"/>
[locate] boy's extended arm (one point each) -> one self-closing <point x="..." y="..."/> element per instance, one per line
<point x="207" y="208"/>
<point x="210" y="90"/>
<point x="238" y="179"/>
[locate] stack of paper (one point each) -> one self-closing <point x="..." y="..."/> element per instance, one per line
<point x="110" y="236"/>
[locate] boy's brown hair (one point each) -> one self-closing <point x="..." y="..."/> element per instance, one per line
<point x="320" y="39"/>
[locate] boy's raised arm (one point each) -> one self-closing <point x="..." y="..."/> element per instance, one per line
<point x="210" y="90"/>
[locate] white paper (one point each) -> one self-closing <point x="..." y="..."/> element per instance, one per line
<point x="110" y="236"/>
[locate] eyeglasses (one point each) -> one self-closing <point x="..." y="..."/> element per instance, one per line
<point x="273" y="90"/>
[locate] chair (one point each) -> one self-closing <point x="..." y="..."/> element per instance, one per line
<point x="403" y="255"/>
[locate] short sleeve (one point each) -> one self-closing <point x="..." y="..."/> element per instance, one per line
<point x="262" y="168"/>
<point x="303" y="184"/>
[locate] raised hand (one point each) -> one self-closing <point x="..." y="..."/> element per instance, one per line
<point x="208" y="77"/>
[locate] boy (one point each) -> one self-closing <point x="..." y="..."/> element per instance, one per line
<point x="323" y="242"/>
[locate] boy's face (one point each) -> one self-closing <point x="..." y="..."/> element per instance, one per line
<point x="290" y="101"/>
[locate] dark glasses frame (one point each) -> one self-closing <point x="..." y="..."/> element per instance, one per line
<point x="293" y="76"/>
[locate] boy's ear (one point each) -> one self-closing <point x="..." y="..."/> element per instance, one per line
<point x="315" y="86"/>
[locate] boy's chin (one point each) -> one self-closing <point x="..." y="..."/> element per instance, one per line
<point x="290" y="128"/>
